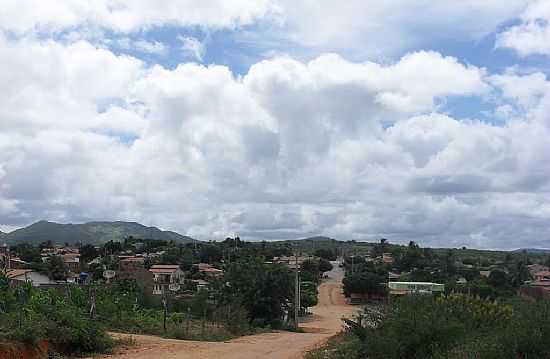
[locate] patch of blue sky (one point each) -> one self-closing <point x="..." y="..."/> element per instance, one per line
<point x="472" y="108"/>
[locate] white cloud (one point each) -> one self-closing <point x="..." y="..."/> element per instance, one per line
<point x="379" y="28"/>
<point x="353" y="150"/>
<point x="150" y="47"/>
<point x="128" y="15"/>
<point x="49" y="85"/>
<point x="192" y="47"/>
<point x="532" y="35"/>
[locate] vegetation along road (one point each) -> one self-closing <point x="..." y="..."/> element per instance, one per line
<point x="325" y="322"/>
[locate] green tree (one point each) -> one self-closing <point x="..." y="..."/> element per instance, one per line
<point x="309" y="270"/>
<point x="28" y="253"/>
<point x="326" y="254"/>
<point x="364" y="283"/>
<point x="324" y="265"/>
<point x="88" y="253"/>
<point x="411" y="258"/>
<point x="263" y="289"/>
<point x="210" y="253"/>
<point x="308" y="295"/>
<point x="520" y="274"/>
<point x="57" y="270"/>
<point x="498" y="279"/>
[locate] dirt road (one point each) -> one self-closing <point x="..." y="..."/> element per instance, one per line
<point x="324" y="323"/>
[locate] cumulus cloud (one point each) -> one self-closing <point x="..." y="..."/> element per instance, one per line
<point x="532" y="35"/>
<point x="128" y="15"/>
<point x="356" y="150"/>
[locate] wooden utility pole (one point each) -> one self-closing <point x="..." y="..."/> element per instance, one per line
<point x="92" y="301"/>
<point x="296" y="291"/>
<point x="165" y="306"/>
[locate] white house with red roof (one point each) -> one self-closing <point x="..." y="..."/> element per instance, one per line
<point x="164" y="275"/>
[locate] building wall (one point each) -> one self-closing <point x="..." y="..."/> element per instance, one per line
<point x="35" y="278"/>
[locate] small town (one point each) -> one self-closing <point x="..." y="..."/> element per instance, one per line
<point x="216" y="291"/>
<point x="274" y="179"/>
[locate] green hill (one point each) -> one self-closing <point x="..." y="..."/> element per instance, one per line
<point x="92" y="232"/>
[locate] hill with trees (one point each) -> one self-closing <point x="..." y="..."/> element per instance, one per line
<point x="89" y="233"/>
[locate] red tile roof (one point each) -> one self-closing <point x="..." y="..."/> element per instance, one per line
<point x="164" y="268"/>
<point x="14" y="273"/>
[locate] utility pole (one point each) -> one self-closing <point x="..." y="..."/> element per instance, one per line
<point x="165" y="306"/>
<point x="92" y="300"/>
<point x="296" y="291"/>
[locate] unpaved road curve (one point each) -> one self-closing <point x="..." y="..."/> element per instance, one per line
<point x="325" y="322"/>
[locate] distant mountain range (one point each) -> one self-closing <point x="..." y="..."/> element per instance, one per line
<point x="534" y="250"/>
<point x="91" y="232"/>
<point x="318" y="239"/>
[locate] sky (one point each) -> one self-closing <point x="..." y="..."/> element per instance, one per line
<point x="274" y="119"/>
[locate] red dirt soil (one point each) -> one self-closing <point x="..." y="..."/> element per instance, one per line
<point x="24" y="351"/>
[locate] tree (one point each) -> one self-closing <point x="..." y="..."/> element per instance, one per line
<point x="171" y="256"/>
<point x="56" y="268"/>
<point x="88" y="253"/>
<point x="309" y="270"/>
<point x="28" y="253"/>
<point x="364" y="283"/>
<point x="412" y="257"/>
<point x="421" y="275"/>
<point x="263" y="289"/>
<point x="498" y="279"/>
<point x="449" y="266"/>
<point x="308" y="295"/>
<point x="324" y="265"/>
<point x="326" y="254"/>
<point x="520" y="274"/>
<point x="210" y="254"/>
<point x="112" y="247"/>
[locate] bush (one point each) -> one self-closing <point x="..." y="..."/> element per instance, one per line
<point x="456" y="326"/>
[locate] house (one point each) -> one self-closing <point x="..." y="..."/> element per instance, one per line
<point x="164" y="275"/>
<point x="208" y="270"/>
<point x="541" y="276"/>
<point x="17" y="263"/>
<point x="535" y="268"/>
<point x="392" y="277"/>
<point x="402" y="288"/>
<point x="201" y="284"/>
<point x="72" y="261"/>
<point x="291" y="261"/>
<point x="28" y="275"/>
<point x="387" y="258"/>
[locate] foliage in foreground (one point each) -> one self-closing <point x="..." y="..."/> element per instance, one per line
<point x="453" y="327"/>
<point x="30" y="316"/>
